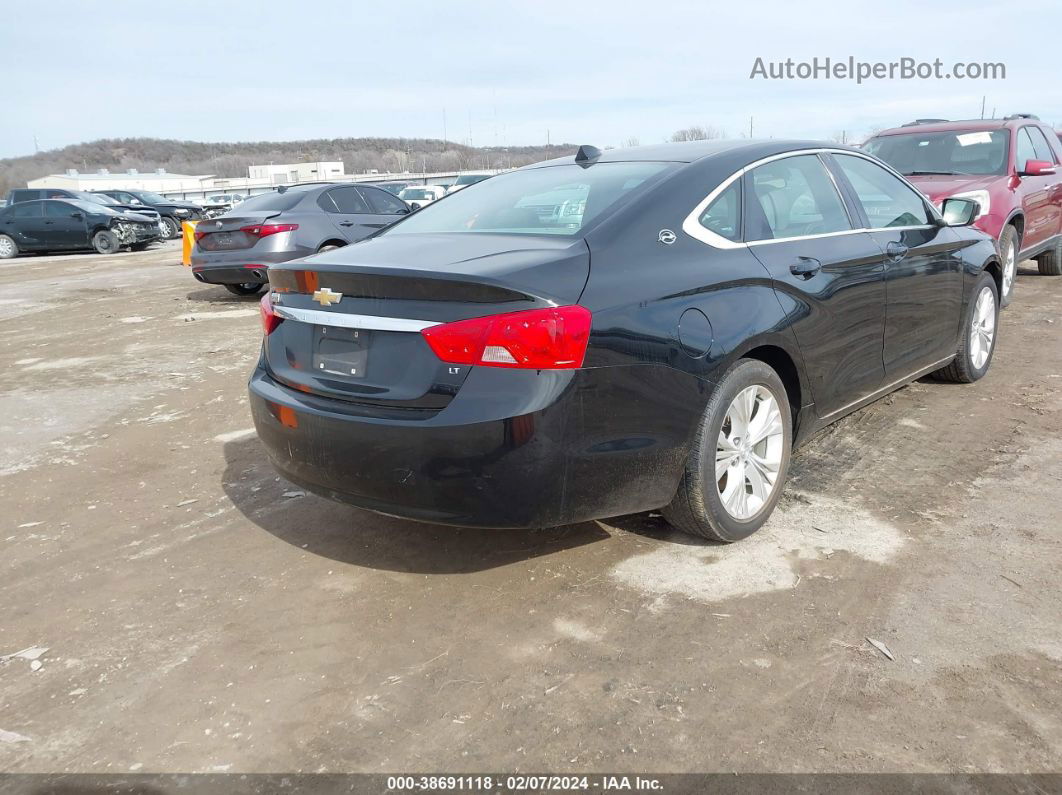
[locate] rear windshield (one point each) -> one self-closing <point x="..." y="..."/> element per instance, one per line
<point x="555" y="200"/>
<point x="272" y="201"/>
<point x="962" y="152"/>
<point x="416" y="193"/>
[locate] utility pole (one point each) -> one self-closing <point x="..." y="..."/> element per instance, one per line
<point x="547" y="138"/>
<point x="750" y="126"/>
<point x="982" y="106"/>
<point x="36" y="147"/>
<point x="444" y="125"/>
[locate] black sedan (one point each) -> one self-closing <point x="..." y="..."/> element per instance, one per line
<point x="71" y="224"/>
<point x="621" y="331"/>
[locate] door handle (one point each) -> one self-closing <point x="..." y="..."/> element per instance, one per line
<point x="805" y="267"/>
<point x="896" y="251"/>
<point x="346" y="223"/>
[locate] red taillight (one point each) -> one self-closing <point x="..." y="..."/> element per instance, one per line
<point x="265" y="230"/>
<point x="270" y="320"/>
<point x="538" y="339"/>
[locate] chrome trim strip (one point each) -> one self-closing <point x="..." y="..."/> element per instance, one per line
<point x="343" y="320"/>
<point x="692" y="225"/>
<point x="889" y="387"/>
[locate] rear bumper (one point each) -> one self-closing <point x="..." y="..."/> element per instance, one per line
<point x="231" y="274"/>
<point x="513" y="449"/>
<point x="239" y="266"/>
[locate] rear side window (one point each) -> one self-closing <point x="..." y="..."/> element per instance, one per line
<point x="24" y="195"/>
<point x="383" y="202"/>
<point x="723" y="216"/>
<point x="886" y="200"/>
<point x="794" y="197"/>
<point x="28" y="210"/>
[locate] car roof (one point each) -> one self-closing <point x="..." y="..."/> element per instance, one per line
<point x="692" y="151"/>
<point x="964" y="125"/>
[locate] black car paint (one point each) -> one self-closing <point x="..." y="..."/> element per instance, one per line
<point x="71" y="228"/>
<point x="514" y="448"/>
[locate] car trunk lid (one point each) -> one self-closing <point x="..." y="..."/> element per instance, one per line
<point x="227" y="233"/>
<point x="353" y="317"/>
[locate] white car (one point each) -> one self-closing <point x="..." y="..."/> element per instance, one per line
<point x="464" y="180"/>
<point x="417" y="196"/>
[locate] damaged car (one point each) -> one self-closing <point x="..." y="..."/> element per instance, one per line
<point x="71" y="225"/>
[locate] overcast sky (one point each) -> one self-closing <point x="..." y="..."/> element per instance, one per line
<point x="500" y="72"/>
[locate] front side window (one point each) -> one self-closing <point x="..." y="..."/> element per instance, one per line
<point x="383" y="202"/>
<point x="886" y="200"/>
<point x="794" y="197"/>
<point x="959" y="152"/>
<point x="348" y="201"/>
<point x="723" y="216"/>
<point x="1025" y="150"/>
<point x="551" y="200"/>
<point x="1040" y="145"/>
<point x="58" y="209"/>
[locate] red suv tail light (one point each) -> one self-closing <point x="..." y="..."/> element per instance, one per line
<point x="265" y="230"/>
<point x="538" y="339"/>
<point x="270" y="320"/>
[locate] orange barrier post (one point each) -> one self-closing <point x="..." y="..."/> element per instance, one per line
<point x="187" y="241"/>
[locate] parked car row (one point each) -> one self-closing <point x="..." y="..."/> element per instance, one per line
<point x="623" y="331"/>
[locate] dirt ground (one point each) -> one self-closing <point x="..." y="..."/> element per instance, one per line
<point x="200" y="614"/>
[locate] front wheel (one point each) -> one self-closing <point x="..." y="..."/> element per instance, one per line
<point x="105" y="242"/>
<point x="250" y="288"/>
<point x="173" y="229"/>
<point x="1008" y="250"/>
<point x="739" y="459"/>
<point x="978" y="341"/>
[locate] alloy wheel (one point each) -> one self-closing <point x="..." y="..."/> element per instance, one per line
<point x="1010" y="267"/>
<point x="983" y="328"/>
<point x="7" y="247"/>
<point x="748" y="453"/>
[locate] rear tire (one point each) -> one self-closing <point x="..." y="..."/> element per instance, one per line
<point x="245" y="289"/>
<point x="105" y="242"/>
<point x="972" y="360"/>
<point x="1009" y="243"/>
<point x="1050" y="262"/>
<point x="723" y="462"/>
<point x="8" y="247"/>
<point x="328" y="247"/>
<point x="173" y="229"/>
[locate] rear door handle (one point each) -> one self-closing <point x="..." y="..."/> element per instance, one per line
<point x="896" y="251"/>
<point x="346" y="223"/>
<point x="805" y="267"/>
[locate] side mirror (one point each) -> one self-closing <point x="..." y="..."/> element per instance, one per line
<point x="1037" y="168"/>
<point x="959" y="212"/>
<point x="76" y="215"/>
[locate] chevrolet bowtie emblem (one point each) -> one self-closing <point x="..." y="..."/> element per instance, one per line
<point x="325" y="297"/>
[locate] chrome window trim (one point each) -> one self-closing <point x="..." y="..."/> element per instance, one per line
<point x="692" y="225"/>
<point x="343" y="320"/>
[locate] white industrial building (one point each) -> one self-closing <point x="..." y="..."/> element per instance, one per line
<point x="290" y="173"/>
<point x="158" y="181"/>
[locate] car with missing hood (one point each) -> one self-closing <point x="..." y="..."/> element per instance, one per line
<point x="70" y="225"/>
<point x="237" y="249"/>
<point x="1011" y="167"/>
<point x="617" y="332"/>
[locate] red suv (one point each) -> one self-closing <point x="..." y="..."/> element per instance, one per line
<point x="1009" y="166"/>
